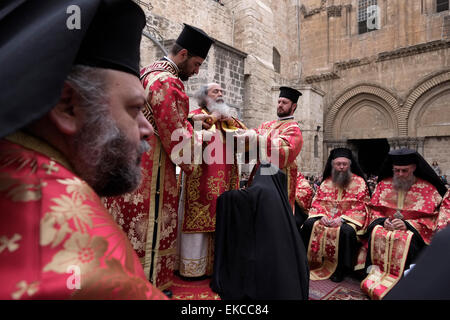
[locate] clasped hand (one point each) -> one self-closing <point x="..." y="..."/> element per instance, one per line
<point x="331" y="223"/>
<point x="395" y="224"/>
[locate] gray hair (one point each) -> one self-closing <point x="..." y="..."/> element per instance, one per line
<point x="90" y="83"/>
<point x="201" y="94"/>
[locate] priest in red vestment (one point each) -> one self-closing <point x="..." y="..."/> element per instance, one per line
<point x="337" y="216"/>
<point x="149" y="214"/>
<point x="278" y="142"/>
<point x="217" y="173"/>
<point x="403" y="214"/>
<point x="72" y="129"/>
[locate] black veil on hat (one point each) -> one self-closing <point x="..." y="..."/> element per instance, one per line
<point x="290" y="93"/>
<point x="403" y="157"/>
<point x="345" y="153"/>
<point x="38" y="47"/>
<point x="195" y="40"/>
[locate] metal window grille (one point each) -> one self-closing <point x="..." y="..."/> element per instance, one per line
<point x="362" y="14"/>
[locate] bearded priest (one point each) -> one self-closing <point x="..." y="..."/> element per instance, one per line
<point x="403" y="215"/>
<point x="337" y="216"/>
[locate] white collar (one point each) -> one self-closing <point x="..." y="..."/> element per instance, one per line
<point x="285" y="118"/>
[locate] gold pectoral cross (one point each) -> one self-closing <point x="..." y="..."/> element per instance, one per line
<point x="400" y="203"/>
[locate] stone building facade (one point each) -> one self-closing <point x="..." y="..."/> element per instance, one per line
<point x="371" y="80"/>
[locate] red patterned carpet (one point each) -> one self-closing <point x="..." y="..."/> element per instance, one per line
<point x="192" y="290"/>
<point x="318" y="290"/>
<point x="349" y="289"/>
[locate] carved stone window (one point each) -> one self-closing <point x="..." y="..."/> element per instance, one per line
<point x="276" y="60"/>
<point x="316" y="146"/>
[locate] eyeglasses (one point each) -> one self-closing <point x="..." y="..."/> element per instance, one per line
<point x="401" y="170"/>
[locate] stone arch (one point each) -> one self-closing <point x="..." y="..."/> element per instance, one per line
<point x="355" y="101"/>
<point x="426" y="110"/>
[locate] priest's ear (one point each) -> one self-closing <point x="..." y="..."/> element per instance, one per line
<point x="65" y="114"/>
<point x="293" y="108"/>
<point x="183" y="54"/>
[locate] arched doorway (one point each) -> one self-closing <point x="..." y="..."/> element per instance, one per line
<point x="370" y="153"/>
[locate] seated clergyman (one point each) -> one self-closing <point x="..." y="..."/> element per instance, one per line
<point x="403" y="215"/>
<point x="337" y="216"/>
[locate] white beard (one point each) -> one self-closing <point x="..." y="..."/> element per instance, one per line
<point x="221" y="108"/>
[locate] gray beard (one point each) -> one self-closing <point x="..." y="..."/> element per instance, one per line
<point x="341" y="178"/>
<point x="402" y="184"/>
<point x="107" y="161"/>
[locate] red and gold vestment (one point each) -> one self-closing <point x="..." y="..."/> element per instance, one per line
<point x="350" y="204"/>
<point x="389" y="249"/>
<point x="216" y="174"/>
<point x="57" y="240"/>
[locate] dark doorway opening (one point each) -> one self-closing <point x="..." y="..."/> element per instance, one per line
<point x="371" y="154"/>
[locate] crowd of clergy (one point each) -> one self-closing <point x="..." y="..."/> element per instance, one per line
<point x="92" y="207"/>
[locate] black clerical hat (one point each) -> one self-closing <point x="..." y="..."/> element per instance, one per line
<point x="114" y="37"/>
<point x="403" y="157"/>
<point x="40" y="41"/>
<point x="344" y="153"/>
<point x="195" y="41"/>
<point x="341" y="153"/>
<point x="291" y="94"/>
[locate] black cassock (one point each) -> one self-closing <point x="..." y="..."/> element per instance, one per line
<point x="259" y="253"/>
<point x="429" y="279"/>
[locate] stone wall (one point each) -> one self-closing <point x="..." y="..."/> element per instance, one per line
<point x="335" y="29"/>
<point x="323" y="56"/>
<point x="372" y="81"/>
<point x="437" y="149"/>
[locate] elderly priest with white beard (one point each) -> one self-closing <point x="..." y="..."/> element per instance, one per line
<point x="217" y="173"/>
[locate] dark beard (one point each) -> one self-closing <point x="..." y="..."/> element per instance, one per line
<point x="341" y="178"/>
<point x="183" y="76"/>
<point x="402" y="184"/>
<point x="285" y="114"/>
<point x="182" y="73"/>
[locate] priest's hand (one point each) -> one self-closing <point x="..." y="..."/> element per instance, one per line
<point x="325" y="221"/>
<point x="335" y="223"/>
<point x="206" y="120"/>
<point x="388" y="225"/>
<point x="399" y="224"/>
